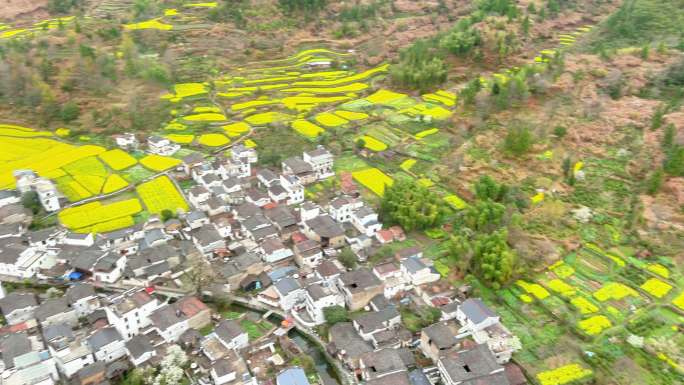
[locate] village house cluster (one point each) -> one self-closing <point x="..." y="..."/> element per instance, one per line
<point x="251" y="235"/>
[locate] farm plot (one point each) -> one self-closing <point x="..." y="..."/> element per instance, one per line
<point x="160" y="194"/>
<point x="99" y="217"/>
<point x="117" y="159"/>
<point x="373" y="179"/>
<point x="159" y="163"/>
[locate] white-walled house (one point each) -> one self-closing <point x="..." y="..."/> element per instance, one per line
<point x="365" y="220"/>
<point x="321" y="160"/>
<point x="418" y="273"/>
<point x="83" y="299"/>
<point x="273" y="250"/>
<point x="107" y="344"/>
<point x="109" y="268"/>
<point x="130" y="312"/>
<point x="287" y="292"/>
<point x="140" y="350"/>
<point x="474" y="315"/>
<point x="294" y="189"/>
<point x="231" y="335"/>
<point x="161" y="146"/>
<point x="18" y="307"/>
<point x="126" y="140"/>
<point x="21" y="261"/>
<point x="317" y="297"/>
<point x="70" y="353"/>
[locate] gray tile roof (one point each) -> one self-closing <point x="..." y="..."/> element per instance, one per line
<point x="476" y="310"/>
<point x="287" y="285"/>
<point x="473" y="365"/>
<point x="227" y="330"/>
<point x="359" y="280"/>
<point x="52" y="307"/>
<point x="103" y="337"/>
<point x="372" y="321"/>
<point x="344" y="337"/>
<point x="15" y="301"/>
<point x="56" y="331"/>
<point x="442" y="335"/>
<point x="325" y="226"/>
<point x="12" y="346"/>
<point x="413" y="265"/>
<point x="79" y="291"/>
<point x="10" y="250"/>
<point x="139" y="345"/>
<point x="383" y="361"/>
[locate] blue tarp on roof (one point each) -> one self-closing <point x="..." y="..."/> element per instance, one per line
<point x="75" y="276"/>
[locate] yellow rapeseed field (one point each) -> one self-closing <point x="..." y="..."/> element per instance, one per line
<point x="159" y="163"/>
<point x="160" y="194"/>
<point x="307" y="128"/>
<point x="213" y="140"/>
<point x="373" y="179"/>
<point x="118" y="159"/>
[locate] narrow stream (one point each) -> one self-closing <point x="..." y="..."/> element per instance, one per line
<point x="325" y="370"/>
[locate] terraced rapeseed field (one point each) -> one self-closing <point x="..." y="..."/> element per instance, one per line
<point x="159" y="163"/>
<point x="117" y="159"/>
<point x="373" y="179"/>
<point x="160" y="194"/>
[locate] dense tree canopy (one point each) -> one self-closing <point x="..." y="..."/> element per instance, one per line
<point x="411" y="206"/>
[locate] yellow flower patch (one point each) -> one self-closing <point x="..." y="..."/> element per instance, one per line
<point x="180" y="138"/>
<point x="113" y="225"/>
<point x="407" y="164"/>
<point x="446" y="98"/>
<point x="679" y="301"/>
<point x="353" y="87"/>
<point x="201" y="5"/>
<point x="159" y="163"/>
<point x="351" y="115"/>
<point x="114" y="183"/>
<point x="62" y="132"/>
<point x="562" y="270"/>
<point x="175" y="126"/>
<point x="526" y="298"/>
<point x="373" y="179"/>
<point x="563" y="375"/>
<point x="160" y="194"/>
<point x="213" y="140"/>
<point x="425" y="182"/>
<point x="89" y="214"/>
<point x="659" y="269"/>
<point x="614" y="291"/>
<point x="265" y="118"/>
<point x="330" y="120"/>
<point x="537" y="198"/>
<point x="594" y="325"/>
<point x="584" y="305"/>
<point x="428" y="132"/>
<point x="184" y="90"/>
<point x="373" y="144"/>
<point x="117" y="159"/>
<point x="656" y="287"/>
<point x="203" y="109"/>
<point x="455" y="201"/>
<point x="249" y="143"/>
<point x="561" y="287"/>
<point x="149" y="24"/>
<point x="533" y="288"/>
<point x="236" y="129"/>
<point x="307" y="128"/>
<point x="205" y="117"/>
<point x="170" y="12"/>
<point x="385" y="97"/>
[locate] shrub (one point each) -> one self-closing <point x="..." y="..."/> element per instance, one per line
<point x="335" y="314"/>
<point x="518" y="140"/>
